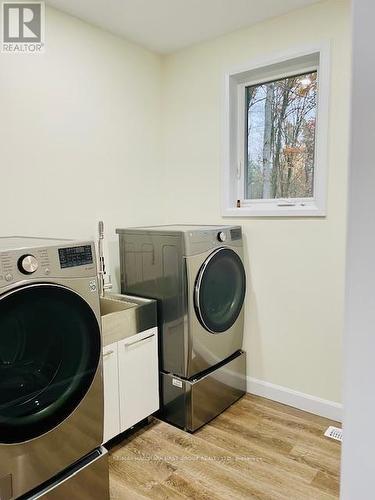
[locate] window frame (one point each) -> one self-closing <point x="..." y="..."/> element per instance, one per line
<point x="287" y="64"/>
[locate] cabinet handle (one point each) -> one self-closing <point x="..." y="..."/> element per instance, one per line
<point x="108" y="353"/>
<point x="141" y="340"/>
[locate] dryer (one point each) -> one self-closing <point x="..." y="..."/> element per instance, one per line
<point x="197" y="275"/>
<point x="51" y="395"/>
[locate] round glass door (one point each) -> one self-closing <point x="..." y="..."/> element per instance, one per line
<point x="220" y="290"/>
<point x="49" y="354"/>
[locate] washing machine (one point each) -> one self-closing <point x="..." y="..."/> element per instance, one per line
<point x="196" y="274"/>
<point x="51" y="393"/>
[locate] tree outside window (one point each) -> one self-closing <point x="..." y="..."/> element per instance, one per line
<point x="280" y="142"/>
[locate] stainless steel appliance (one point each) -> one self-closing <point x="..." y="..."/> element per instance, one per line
<point x="86" y="480"/>
<point x="197" y="275"/>
<point x="51" y="394"/>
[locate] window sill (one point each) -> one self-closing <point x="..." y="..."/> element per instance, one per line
<point x="272" y="210"/>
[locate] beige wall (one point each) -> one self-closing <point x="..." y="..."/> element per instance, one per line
<point x="80" y="134"/>
<point x="295" y="266"/>
<point x="100" y="128"/>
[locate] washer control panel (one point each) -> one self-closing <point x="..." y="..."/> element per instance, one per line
<point x="6" y="267"/>
<point x="17" y="264"/>
<point x="75" y="256"/>
<point x="46" y="262"/>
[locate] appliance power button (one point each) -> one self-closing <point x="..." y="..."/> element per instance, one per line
<point x="221" y="236"/>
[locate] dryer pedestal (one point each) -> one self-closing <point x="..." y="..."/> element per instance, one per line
<point x="189" y="404"/>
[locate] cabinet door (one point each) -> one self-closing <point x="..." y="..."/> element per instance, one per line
<point x="111" y="392"/>
<point x="138" y="377"/>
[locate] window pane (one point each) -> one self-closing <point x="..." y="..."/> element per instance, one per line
<point x="281" y="119"/>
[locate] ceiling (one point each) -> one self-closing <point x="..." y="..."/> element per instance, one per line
<point x="168" y="25"/>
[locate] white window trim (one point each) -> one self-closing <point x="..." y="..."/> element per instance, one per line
<point x="233" y="161"/>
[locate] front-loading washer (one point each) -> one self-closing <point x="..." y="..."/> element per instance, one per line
<point x="51" y="393"/>
<point x="197" y="275"/>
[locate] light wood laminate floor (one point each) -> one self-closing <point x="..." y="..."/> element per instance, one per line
<point x="255" y="449"/>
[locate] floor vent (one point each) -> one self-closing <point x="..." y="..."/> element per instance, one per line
<point x="334" y="433"/>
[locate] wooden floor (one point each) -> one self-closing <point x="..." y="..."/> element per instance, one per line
<point x="255" y="449"/>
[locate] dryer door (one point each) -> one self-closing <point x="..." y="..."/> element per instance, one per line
<point x="49" y="353"/>
<point x="220" y="290"/>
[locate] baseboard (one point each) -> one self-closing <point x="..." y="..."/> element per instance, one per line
<point x="306" y="402"/>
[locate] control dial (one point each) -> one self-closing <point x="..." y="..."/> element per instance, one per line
<point x="27" y="264"/>
<point x="221" y="236"/>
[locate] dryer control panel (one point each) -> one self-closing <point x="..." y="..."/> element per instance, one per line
<point x="202" y="240"/>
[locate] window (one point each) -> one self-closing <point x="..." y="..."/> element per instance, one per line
<point x="276" y="132"/>
<point x="280" y="138"/>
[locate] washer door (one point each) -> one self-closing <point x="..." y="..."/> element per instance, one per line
<point x="49" y="353"/>
<point x="220" y="290"/>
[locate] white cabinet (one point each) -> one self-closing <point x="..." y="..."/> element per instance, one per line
<point x="111" y="392"/>
<point x="138" y="375"/>
<point x="131" y="381"/>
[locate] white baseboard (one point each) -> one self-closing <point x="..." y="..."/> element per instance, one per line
<point x="306" y="402"/>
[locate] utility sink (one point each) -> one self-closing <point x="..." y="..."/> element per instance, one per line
<point x="125" y="315"/>
<point x="115" y="303"/>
